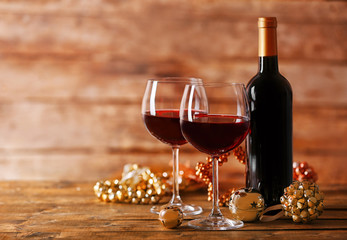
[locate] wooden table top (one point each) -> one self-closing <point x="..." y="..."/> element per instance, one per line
<point x="46" y="210"/>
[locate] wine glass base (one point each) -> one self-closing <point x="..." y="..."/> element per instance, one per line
<point x="187" y="209"/>
<point x="215" y="223"/>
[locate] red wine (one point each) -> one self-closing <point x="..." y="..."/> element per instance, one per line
<point x="165" y="126"/>
<point x="215" y="134"/>
<point x="269" y="165"/>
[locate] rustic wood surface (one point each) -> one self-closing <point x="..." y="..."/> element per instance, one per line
<point x="72" y="75"/>
<point x="69" y="210"/>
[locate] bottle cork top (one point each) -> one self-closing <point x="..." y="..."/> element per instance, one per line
<point x="267" y="22"/>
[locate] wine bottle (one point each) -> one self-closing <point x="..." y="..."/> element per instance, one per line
<point x="269" y="144"/>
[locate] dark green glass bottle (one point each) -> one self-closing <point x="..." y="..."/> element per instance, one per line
<point x="270" y="151"/>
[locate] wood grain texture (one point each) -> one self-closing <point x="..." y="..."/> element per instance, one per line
<point x="70" y="210"/>
<point x="124" y="81"/>
<point x="124" y="27"/>
<point x="72" y="75"/>
<point x="102" y="126"/>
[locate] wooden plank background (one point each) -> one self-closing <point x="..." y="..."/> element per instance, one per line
<point x="72" y="76"/>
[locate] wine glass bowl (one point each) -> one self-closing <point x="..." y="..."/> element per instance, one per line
<point x="214" y="118"/>
<point x="160" y="113"/>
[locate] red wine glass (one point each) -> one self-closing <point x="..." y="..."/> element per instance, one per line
<point x="214" y="118"/>
<point x="160" y="112"/>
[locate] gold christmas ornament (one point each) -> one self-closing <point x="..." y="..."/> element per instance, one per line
<point x="302" y="201"/>
<point x="171" y="217"/>
<point x="246" y="204"/>
<point x="138" y="186"/>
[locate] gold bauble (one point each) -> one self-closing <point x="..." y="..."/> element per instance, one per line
<point x="171" y="217"/>
<point x="302" y="201"/>
<point x="246" y="204"/>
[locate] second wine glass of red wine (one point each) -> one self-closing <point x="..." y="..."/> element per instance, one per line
<point x="214" y="118"/>
<point x="160" y="113"/>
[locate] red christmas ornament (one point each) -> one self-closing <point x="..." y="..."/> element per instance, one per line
<point x="303" y="171"/>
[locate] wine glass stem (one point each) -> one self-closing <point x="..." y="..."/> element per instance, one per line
<point x="215" y="198"/>
<point x="175" y="171"/>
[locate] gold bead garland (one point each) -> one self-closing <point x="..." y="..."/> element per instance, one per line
<point x="137" y="186"/>
<point x="240" y="154"/>
<point x="141" y="186"/>
<point x="203" y="171"/>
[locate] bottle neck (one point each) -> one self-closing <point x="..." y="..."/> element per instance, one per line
<point x="268" y="60"/>
<point x="268" y="64"/>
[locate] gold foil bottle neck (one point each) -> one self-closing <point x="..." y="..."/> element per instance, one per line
<point x="267" y="36"/>
<point x="267" y="22"/>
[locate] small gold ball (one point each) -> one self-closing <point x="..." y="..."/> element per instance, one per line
<point x="155" y="199"/>
<point x="120" y="196"/>
<point x="295" y="211"/>
<point x="141" y="185"/>
<point x="97" y="186"/>
<point x="296" y="218"/>
<point x="116" y="182"/>
<point x="159" y="191"/>
<point x="298" y="193"/>
<point x="111" y="196"/>
<point x="311" y="202"/>
<point x="145" y="200"/>
<point x="130" y="194"/>
<point x="320" y="207"/>
<point x="140" y="193"/>
<point x="150" y="192"/>
<point x="99" y="195"/>
<point x="287" y="214"/>
<point x="311" y="211"/>
<point x="108" y="183"/>
<point x="104" y="197"/>
<point x="295" y="185"/>
<point x="282" y="199"/>
<point x="150" y="181"/>
<point x="308" y="193"/>
<point x="304" y="214"/>
<point x="301" y="204"/>
<point x="305" y="185"/>
<point x="171" y="217"/>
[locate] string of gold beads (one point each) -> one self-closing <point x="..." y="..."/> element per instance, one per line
<point x="149" y="191"/>
<point x="240" y="154"/>
<point x="203" y="171"/>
